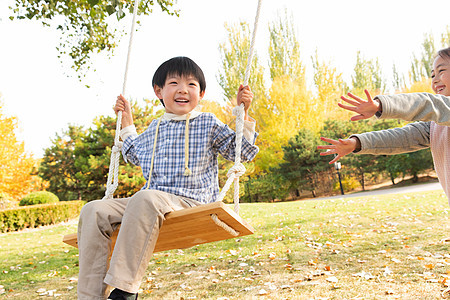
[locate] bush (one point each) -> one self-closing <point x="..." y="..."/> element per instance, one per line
<point x="39" y="215"/>
<point x="6" y="201"/>
<point x="41" y="197"/>
<point x="348" y="184"/>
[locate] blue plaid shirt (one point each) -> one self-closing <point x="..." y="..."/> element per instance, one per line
<point x="208" y="137"/>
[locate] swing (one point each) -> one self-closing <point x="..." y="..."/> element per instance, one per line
<point x="205" y="223"/>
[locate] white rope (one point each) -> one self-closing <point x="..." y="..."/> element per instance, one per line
<point x="224" y="225"/>
<point x="235" y="172"/>
<point x="238" y="169"/>
<point x="113" y="175"/>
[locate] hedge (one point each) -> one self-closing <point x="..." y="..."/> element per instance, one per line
<point x="38" y="215"/>
<point x="41" y="197"/>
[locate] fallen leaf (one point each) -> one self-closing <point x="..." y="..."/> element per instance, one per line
<point x="332" y="279"/>
<point x="262" y="292"/>
<point x="389" y="292"/>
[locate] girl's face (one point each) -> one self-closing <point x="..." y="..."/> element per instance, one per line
<point x="441" y="76"/>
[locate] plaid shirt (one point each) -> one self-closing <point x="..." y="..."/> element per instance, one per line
<point x="208" y="137"/>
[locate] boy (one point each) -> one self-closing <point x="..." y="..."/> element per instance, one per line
<point x="178" y="157"/>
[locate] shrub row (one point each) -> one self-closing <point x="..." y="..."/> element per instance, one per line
<point x="37" y="215"/>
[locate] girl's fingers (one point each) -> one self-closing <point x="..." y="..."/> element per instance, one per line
<point x="331" y="141"/>
<point x="355" y="97"/>
<point x="349" y="101"/>
<point x="335" y="159"/>
<point x="326" y="147"/>
<point x="347" y="107"/>
<point x="369" y="97"/>
<point x="357" y="118"/>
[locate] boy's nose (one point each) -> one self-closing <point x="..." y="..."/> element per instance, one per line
<point x="182" y="89"/>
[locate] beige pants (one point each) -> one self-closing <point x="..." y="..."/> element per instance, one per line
<point x="141" y="217"/>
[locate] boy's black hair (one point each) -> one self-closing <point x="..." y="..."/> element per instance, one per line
<point x="181" y="66"/>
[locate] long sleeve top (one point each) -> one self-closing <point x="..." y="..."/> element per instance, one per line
<point x="207" y="138"/>
<point x="433" y="112"/>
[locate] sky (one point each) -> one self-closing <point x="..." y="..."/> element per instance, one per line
<point x="35" y="87"/>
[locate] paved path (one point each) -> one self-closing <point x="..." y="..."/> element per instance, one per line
<point x="396" y="190"/>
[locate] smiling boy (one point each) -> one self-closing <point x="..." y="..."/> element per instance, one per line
<point x="178" y="156"/>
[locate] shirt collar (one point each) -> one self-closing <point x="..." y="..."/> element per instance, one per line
<point x="170" y="116"/>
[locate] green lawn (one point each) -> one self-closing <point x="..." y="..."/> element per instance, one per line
<point x="380" y="247"/>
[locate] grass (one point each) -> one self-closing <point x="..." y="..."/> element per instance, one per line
<point x="379" y="247"/>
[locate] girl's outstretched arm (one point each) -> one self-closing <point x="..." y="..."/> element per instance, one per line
<point x="340" y="147"/>
<point x="364" y="109"/>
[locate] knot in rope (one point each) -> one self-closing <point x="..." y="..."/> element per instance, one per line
<point x="237" y="110"/>
<point x="117" y="148"/>
<point x="237" y="170"/>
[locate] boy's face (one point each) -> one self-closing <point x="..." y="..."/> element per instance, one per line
<point x="441" y="76"/>
<point x="180" y="94"/>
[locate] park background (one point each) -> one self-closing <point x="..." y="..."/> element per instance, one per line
<point x="57" y="127"/>
<point x="306" y="58"/>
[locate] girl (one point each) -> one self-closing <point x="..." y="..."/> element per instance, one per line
<point x="433" y="112"/>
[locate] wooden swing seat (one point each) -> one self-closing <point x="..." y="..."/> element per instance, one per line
<point x="190" y="227"/>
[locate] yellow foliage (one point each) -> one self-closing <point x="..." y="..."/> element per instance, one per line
<point x="288" y="108"/>
<point x="222" y="112"/>
<point x="15" y="174"/>
<point x="330" y="87"/>
<point x="423" y="86"/>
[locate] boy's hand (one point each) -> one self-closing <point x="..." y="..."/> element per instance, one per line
<point x="124" y="106"/>
<point x="340" y="148"/>
<point x="364" y="109"/>
<point x="245" y="96"/>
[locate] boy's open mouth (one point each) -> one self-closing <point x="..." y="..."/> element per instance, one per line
<point x="440" y="89"/>
<point x="181" y="100"/>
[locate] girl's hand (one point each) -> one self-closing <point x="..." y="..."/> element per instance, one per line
<point x="124" y="106"/>
<point x="340" y="147"/>
<point x="245" y="96"/>
<point x="364" y="109"/>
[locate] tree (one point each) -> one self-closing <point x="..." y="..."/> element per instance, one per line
<point x="421" y="66"/>
<point x="284" y="50"/>
<point x="84" y="24"/>
<point x="77" y="163"/>
<point x="367" y="76"/>
<point x="445" y="38"/>
<point x="330" y="87"/>
<point x="302" y="162"/>
<point x="289" y="105"/>
<point x="234" y="55"/>
<point x="398" y="80"/>
<point x="16" y="178"/>
<point x="60" y="167"/>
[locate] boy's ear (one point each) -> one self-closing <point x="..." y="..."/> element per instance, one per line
<point x="158" y="91"/>
<point x="202" y="94"/>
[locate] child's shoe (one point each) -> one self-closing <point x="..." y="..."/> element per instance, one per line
<point x="117" y="294"/>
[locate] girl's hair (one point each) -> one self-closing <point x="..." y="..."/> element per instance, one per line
<point x="181" y="66"/>
<point x="444" y="53"/>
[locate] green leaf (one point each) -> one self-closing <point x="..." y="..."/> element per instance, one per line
<point x="93" y="2"/>
<point x="110" y="9"/>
